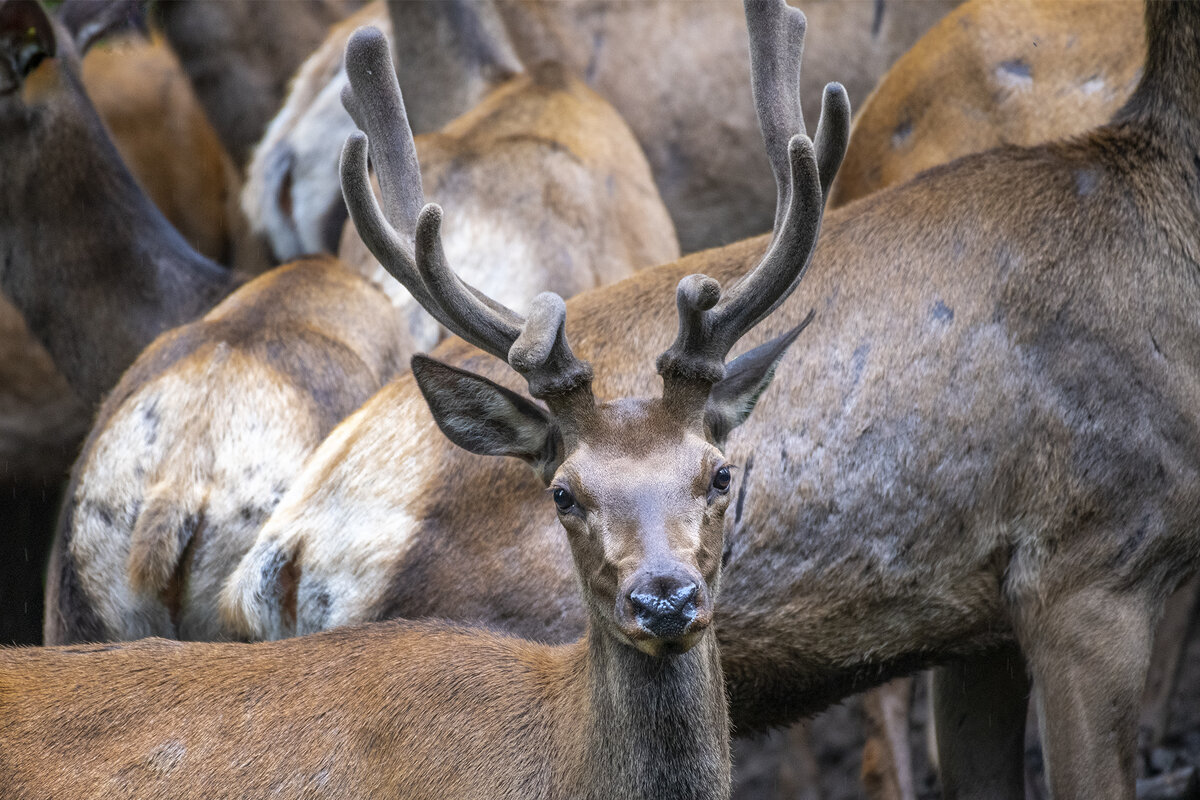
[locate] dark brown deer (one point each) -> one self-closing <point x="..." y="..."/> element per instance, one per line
<point x="634" y="709"/>
<point x="81" y="246"/>
<point x="987" y="445"/>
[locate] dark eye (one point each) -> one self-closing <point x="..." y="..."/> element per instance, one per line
<point x="721" y="480"/>
<point x="564" y="500"/>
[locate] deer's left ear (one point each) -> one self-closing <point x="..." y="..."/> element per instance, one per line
<point x="26" y="38"/>
<point x="746" y="378"/>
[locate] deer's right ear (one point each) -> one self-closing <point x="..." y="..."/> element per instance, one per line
<point x="26" y="38"/>
<point x="484" y="417"/>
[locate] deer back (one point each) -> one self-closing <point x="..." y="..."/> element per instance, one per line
<point x="991" y="74"/>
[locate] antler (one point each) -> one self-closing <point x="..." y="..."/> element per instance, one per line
<point x="536" y="347"/>
<point x="710" y="324"/>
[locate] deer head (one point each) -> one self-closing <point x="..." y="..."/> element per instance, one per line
<point x="640" y="484"/>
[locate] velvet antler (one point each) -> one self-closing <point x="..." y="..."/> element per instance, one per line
<point x="536" y="346"/>
<point x="711" y="322"/>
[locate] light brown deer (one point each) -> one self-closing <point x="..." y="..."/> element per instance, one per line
<point x="993" y="73"/>
<point x="161" y="510"/>
<point x="650" y="59"/>
<point x="633" y="709"/>
<point x="988" y="444"/>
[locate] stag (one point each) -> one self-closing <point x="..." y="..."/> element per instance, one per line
<point x="984" y="456"/>
<point x="635" y="708"/>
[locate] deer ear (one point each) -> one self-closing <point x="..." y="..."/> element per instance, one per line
<point x="89" y="21"/>
<point x="484" y="417"/>
<point x="746" y="378"/>
<point x="26" y="38"/>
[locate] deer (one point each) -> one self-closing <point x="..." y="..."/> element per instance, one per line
<point x="114" y="264"/>
<point x="633" y="708"/>
<point x="161" y="133"/>
<point x="994" y="74"/>
<point x="163" y="505"/>
<point x="980" y="459"/>
<point x="710" y="173"/>
<point x="240" y="82"/>
<point x="234" y="397"/>
<point x="980" y="74"/>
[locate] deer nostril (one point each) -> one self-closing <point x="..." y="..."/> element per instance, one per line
<point x="665" y="607"/>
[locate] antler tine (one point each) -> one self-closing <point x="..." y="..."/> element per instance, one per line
<point x="833" y="134"/>
<point x="536" y="347"/>
<point x="776" y="48"/>
<point x="374" y="101"/>
<point x="709" y="324"/>
<point x="481" y="321"/>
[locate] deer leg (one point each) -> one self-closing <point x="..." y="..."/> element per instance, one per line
<point x="979" y="709"/>
<point x="887" y="772"/>
<point x="1089" y="652"/>
<point x="1170" y="643"/>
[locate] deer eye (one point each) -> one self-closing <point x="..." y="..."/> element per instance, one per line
<point x="564" y="500"/>
<point x="720" y="481"/>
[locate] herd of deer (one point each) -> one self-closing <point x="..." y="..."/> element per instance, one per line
<point x="968" y="440"/>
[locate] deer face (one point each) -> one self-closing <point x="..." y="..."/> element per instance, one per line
<point x="640" y="488"/>
<point x="643" y="501"/>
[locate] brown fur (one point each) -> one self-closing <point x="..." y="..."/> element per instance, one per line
<point x="198" y="441"/>
<point x="241" y="54"/>
<point x="162" y="135"/>
<point x="987" y="435"/>
<point x="396" y="710"/>
<point x="678" y="73"/>
<point x="994" y="72"/>
<point x="114" y="264"/>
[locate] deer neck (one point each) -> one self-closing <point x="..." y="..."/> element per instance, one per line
<point x="1169" y="91"/>
<point x="92" y="264"/>
<point x="653" y="728"/>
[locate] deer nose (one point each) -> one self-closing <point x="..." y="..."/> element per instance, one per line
<point x="665" y="605"/>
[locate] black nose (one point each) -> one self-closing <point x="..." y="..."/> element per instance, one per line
<point x="665" y="606"/>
